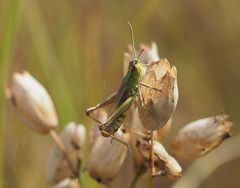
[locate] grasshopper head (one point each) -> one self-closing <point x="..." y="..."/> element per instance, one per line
<point x="136" y="66"/>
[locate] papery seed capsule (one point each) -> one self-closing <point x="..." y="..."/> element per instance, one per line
<point x="73" y="137"/>
<point x="201" y="136"/>
<point x="67" y="183"/>
<point x="164" y="163"/>
<point x="159" y="104"/>
<point x="106" y="158"/>
<point x="32" y="102"/>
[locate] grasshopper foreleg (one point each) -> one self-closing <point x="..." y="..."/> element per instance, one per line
<point x="150" y="87"/>
<point x="140" y="96"/>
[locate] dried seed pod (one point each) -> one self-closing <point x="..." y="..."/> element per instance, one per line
<point x="160" y="104"/>
<point x="149" y="55"/>
<point x="201" y="136"/>
<point x="32" y="102"/>
<point x="67" y="183"/>
<point x="106" y="158"/>
<point x="164" y="163"/>
<point x="73" y="137"/>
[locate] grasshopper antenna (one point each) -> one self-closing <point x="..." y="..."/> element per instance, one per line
<point x="140" y="53"/>
<point x="132" y="36"/>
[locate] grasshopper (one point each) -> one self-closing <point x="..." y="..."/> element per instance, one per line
<point x="123" y="98"/>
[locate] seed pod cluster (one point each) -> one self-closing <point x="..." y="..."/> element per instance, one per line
<point x="201" y="136"/>
<point x="151" y="115"/>
<point x="32" y="102"/>
<point x="73" y="137"/>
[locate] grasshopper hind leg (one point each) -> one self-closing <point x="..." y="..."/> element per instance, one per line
<point x="110" y="130"/>
<point x="113" y="137"/>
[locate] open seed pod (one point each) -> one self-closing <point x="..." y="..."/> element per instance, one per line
<point x="164" y="163"/>
<point x="32" y="102"/>
<point x="67" y="183"/>
<point x="106" y="157"/>
<point x="73" y="137"/>
<point x="201" y="136"/>
<point x="159" y="103"/>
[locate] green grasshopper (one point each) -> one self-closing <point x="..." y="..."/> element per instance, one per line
<point x="123" y="98"/>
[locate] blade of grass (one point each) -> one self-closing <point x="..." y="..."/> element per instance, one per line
<point x="48" y="61"/>
<point x="5" y="59"/>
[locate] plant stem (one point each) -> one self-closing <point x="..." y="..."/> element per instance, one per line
<point x="151" y="159"/>
<point x="150" y="181"/>
<point x="63" y="150"/>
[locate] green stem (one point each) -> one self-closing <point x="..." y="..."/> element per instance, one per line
<point x="135" y="179"/>
<point x="82" y="185"/>
<point x="150" y="181"/>
<point x="6" y="46"/>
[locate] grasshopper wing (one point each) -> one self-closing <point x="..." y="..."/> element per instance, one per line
<point x="106" y="106"/>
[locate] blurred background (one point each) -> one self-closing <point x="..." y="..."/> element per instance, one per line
<point x="75" y="49"/>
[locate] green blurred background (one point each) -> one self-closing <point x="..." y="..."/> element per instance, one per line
<point x="75" y="49"/>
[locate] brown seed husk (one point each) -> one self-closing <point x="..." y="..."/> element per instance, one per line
<point x="201" y="136"/>
<point x="158" y="105"/>
<point x="106" y="158"/>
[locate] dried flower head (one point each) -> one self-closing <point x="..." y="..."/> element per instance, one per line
<point x="32" y="102"/>
<point x="159" y="104"/>
<point x="106" y="158"/>
<point x="73" y="137"/>
<point x="201" y="136"/>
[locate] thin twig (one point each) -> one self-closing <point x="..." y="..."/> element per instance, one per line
<point x="151" y="159"/>
<point x="63" y="150"/>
